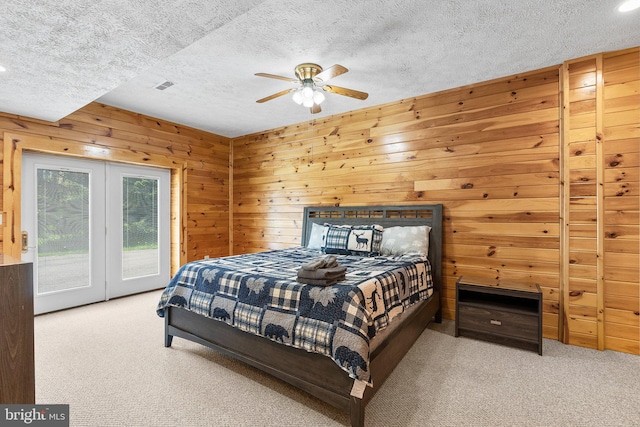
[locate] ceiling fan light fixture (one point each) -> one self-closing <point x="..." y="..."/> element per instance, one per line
<point x="318" y="96"/>
<point x="297" y="96"/>
<point x="311" y="79"/>
<point x="307" y="92"/>
<point x="308" y="95"/>
<point x="308" y="102"/>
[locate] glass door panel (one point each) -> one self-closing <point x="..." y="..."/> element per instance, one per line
<point x="138" y="229"/>
<point x="64" y="258"/>
<point x="140" y="244"/>
<point x="63" y="216"/>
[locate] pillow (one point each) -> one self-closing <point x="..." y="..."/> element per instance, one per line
<point x="316" y="237"/>
<point x="405" y="240"/>
<point x="363" y="240"/>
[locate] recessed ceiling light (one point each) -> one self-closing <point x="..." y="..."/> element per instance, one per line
<point x="2" y="69"/>
<point x="629" y="5"/>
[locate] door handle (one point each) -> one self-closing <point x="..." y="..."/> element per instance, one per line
<point x="24" y="238"/>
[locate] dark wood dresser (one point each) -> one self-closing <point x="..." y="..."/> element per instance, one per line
<point x="17" y="378"/>
<point x="502" y="312"/>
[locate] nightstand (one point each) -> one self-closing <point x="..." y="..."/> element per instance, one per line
<point x="502" y="312"/>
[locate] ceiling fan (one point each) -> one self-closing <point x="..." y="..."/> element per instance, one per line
<point x="311" y="80"/>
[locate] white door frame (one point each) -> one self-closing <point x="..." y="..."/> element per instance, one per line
<point x="117" y="285"/>
<point x="77" y="295"/>
<point x="106" y="234"/>
<point x="16" y="144"/>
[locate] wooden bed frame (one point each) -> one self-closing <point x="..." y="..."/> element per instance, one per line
<point x="317" y="374"/>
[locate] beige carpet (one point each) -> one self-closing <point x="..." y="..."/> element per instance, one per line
<point x="107" y="361"/>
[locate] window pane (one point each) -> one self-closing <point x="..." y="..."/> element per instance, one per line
<point x="63" y="230"/>
<point x="140" y="256"/>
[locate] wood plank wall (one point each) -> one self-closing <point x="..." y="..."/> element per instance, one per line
<point x="581" y="315"/>
<point x="621" y="159"/>
<point x="489" y="152"/>
<point x="601" y="145"/>
<point x="131" y="137"/>
<point x="495" y="154"/>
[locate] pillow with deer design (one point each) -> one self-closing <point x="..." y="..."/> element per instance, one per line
<point x="362" y="240"/>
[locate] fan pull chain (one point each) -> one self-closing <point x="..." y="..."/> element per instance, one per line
<point x="309" y="138"/>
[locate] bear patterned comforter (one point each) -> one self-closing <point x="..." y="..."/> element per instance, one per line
<point x="258" y="293"/>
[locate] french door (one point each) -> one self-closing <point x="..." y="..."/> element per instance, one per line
<point x="138" y="204"/>
<point x="93" y="230"/>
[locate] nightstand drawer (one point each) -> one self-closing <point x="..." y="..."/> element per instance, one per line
<point x="495" y="321"/>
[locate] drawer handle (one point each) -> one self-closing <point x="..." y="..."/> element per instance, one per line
<point x="495" y="322"/>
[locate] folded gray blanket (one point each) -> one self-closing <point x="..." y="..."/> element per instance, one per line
<point x="320" y="282"/>
<point x="323" y="273"/>
<point x="328" y="261"/>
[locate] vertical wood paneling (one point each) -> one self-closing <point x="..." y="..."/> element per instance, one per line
<point x="489" y="152"/>
<point x="621" y="116"/>
<point x="600" y="205"/>
<point x="580" y="163"/>
<point x="200" y="163"/>
<point x="602" y="145"/>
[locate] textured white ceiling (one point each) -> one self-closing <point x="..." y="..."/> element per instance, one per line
<point x="63" y="54"/>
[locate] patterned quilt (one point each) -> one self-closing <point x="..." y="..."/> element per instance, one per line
<point x="258" y="293"/>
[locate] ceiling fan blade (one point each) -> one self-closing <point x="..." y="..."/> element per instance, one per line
<point x="275" y="95"/>
<point x="331" y="72"/>
<point x="315" y="109"/>
<point x="273" y="76"/>
<point x="346" y="92"/>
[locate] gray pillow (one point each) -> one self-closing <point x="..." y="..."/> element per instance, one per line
<point x="413" y="239"/>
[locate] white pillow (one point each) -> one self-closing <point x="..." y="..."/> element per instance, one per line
<point x="316" y="238"/>
<point x="405" y="240"/>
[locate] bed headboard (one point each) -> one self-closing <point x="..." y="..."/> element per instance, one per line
<point x="386" y="216"/>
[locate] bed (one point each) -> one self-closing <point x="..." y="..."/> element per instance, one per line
<point x="342" y="361"/>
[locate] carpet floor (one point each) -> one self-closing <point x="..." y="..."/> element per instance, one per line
<point x="108" y="362"/>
